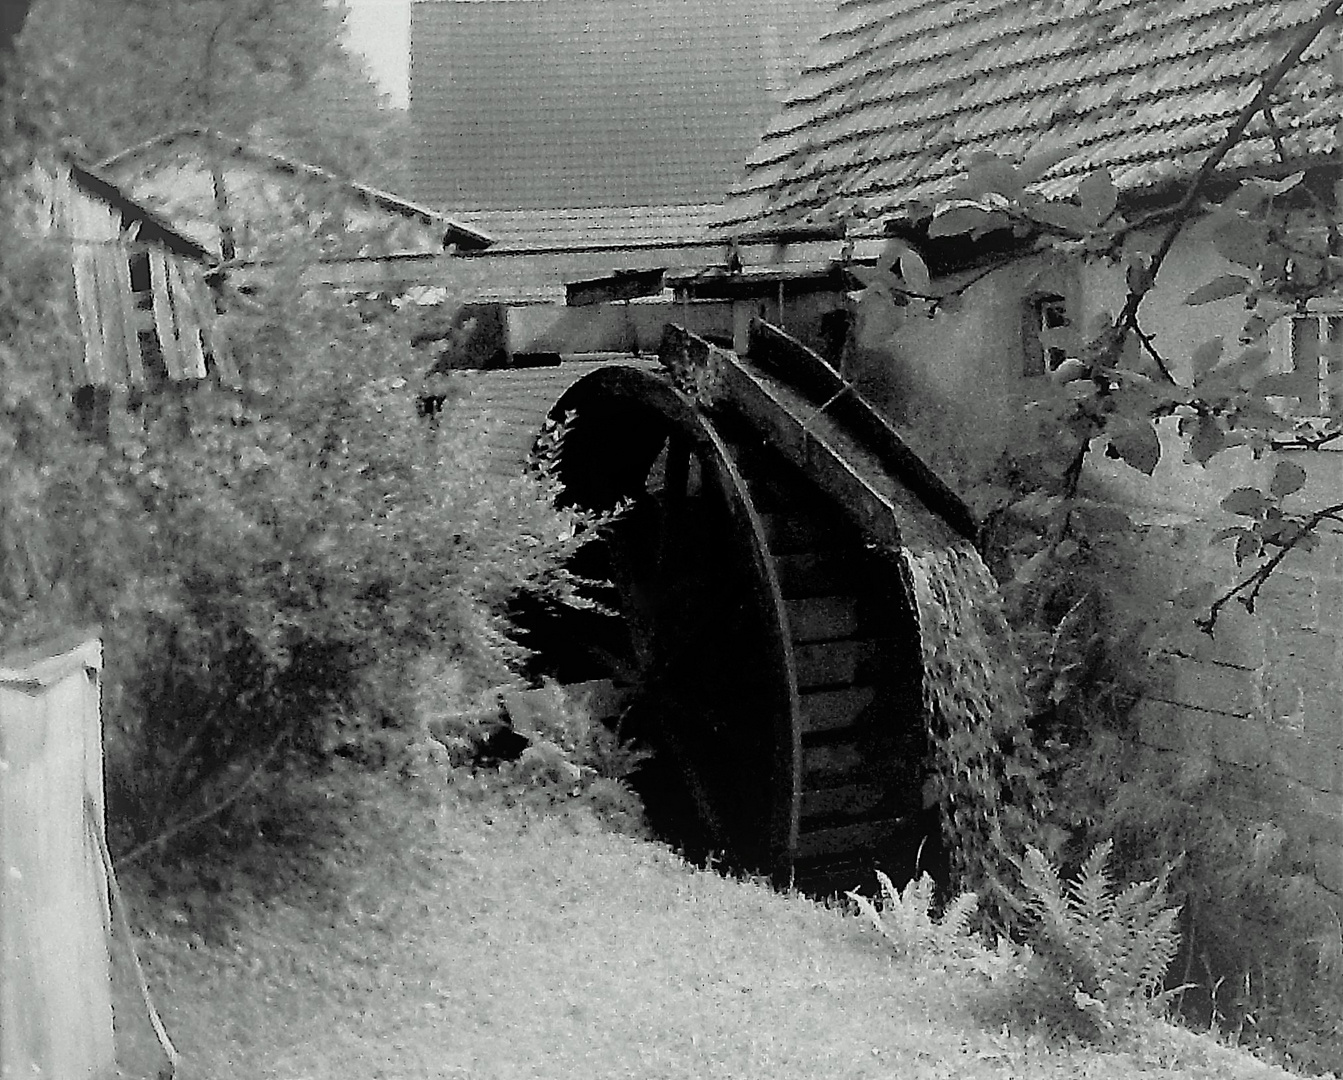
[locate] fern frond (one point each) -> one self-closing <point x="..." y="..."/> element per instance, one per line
<point x="956" y="919"/>
<point x="917" y="899"/>
<point x="1044" y="891"/>
<point x="869" y="909"/>
<point x="1091" y="892"/>
<point x="1154" y="949"/>
<point x="1107" y="952"/>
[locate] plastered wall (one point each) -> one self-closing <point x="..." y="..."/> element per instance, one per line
<point x="1264" y="696"/>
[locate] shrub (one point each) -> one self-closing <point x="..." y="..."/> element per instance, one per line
<point x="266" y="564"/>
<point x="570" y="756"/>
<point x="1262" y="950"/>
<point x="1102" y="954"/>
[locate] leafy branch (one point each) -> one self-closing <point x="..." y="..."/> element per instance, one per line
<point x="1262" y="100"/>
<point x="1300" y="535"/>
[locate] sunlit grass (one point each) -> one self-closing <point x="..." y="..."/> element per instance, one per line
<point x="446" y="937"/>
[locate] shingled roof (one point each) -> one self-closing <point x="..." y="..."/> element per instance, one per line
<point x="899" y="94"/>
<point x="533" y="105"/>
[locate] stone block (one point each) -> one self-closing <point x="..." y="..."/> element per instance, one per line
<point x="1244" y="741"/>
<point x="1165" y="726"/>
<point x="1315" y="766"/>
<point x="1329" y="598"/>
<point x="1305" y="651"/>
<point x="1324" y="718"/>
<point x="1237" y="641"/>
<point x="1324" y="823"/>
<point x="1288" y="600"/>
<point x="1213" y="687"/>
<point x="1242" y="788"/>
<point x="1285" y="702"/>
<point x="1329" y="867"/>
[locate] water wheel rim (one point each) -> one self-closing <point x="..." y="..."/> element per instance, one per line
<point x="642" y="395"/>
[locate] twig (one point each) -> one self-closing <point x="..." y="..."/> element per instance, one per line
<point x="1145" y="340"/>
<point x="1307" y="442"/>
<point x="1249" y="588"/>
<point x="211" y="811"/>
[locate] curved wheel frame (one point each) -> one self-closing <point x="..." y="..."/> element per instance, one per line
<point x="633" y="404"/>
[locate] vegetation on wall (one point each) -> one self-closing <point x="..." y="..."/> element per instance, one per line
<point x="1090" y="612"/>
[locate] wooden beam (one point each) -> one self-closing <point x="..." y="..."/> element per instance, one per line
<point x="618" y="285"/>
<point x="879" y="501"/>
<point x="809" y="372"/>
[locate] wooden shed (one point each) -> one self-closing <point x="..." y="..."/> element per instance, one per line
<point x="143" y="290"/>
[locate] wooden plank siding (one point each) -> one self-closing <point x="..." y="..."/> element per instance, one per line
<point x="125" y="329"/>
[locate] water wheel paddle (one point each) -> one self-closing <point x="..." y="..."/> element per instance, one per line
<point x="772" y="652"/>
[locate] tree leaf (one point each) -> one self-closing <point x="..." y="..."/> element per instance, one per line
<point x="1288" y="478"/>
<point x="1098" y="196"/>
<point x="1241" y="241"/>
<point x="1280" y="187"/>
<point x="1208" y="439"/>
<point x="1040" y="162"/>
<point x="1064" y="216"/>
<point x="1206" y="356"/>
<point x="915" y="272"/>
<point x="1137" y="445"/>
<point x="960" y="220"/>
<point x="1247" y="547"/>
<point x="1247" y="502"/>
<point x="991" y="173"/>
<point x="1218" y="289"/>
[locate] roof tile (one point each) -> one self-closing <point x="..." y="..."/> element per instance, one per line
<point x="534" y="104"/>
<point x="896" y="86"/>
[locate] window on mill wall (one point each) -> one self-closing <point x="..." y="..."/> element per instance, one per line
<point x="1311" y="346"/>
<point x="1043" y="315"/>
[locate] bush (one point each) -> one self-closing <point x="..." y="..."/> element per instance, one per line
<point x="1102" y="954"/>
<point x="266" y="564"/>
<point x="570" y="757"/>
<point x="1262" y="956"/>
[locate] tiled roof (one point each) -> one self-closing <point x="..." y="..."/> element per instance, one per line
<point x="536" y="104"/>
<point x="597" y="226"/>
<point x="898" y="94"/>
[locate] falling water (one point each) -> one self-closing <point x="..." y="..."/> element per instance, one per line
<point x="986" y="773"/>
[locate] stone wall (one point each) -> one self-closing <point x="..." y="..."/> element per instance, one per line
<point x="1263" y="696"/>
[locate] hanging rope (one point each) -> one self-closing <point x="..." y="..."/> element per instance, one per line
<point x="118" y="912"/>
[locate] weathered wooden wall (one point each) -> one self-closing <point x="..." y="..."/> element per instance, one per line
<point x="55" y="1004"/>
<point x="146" y="313"/>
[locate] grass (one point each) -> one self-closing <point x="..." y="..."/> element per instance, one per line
<point x="441" y="935"/>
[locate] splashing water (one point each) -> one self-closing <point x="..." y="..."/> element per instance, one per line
<point x="986" y="772"/>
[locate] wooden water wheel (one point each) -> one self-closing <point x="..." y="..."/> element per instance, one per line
<point x="771" y="646"/>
